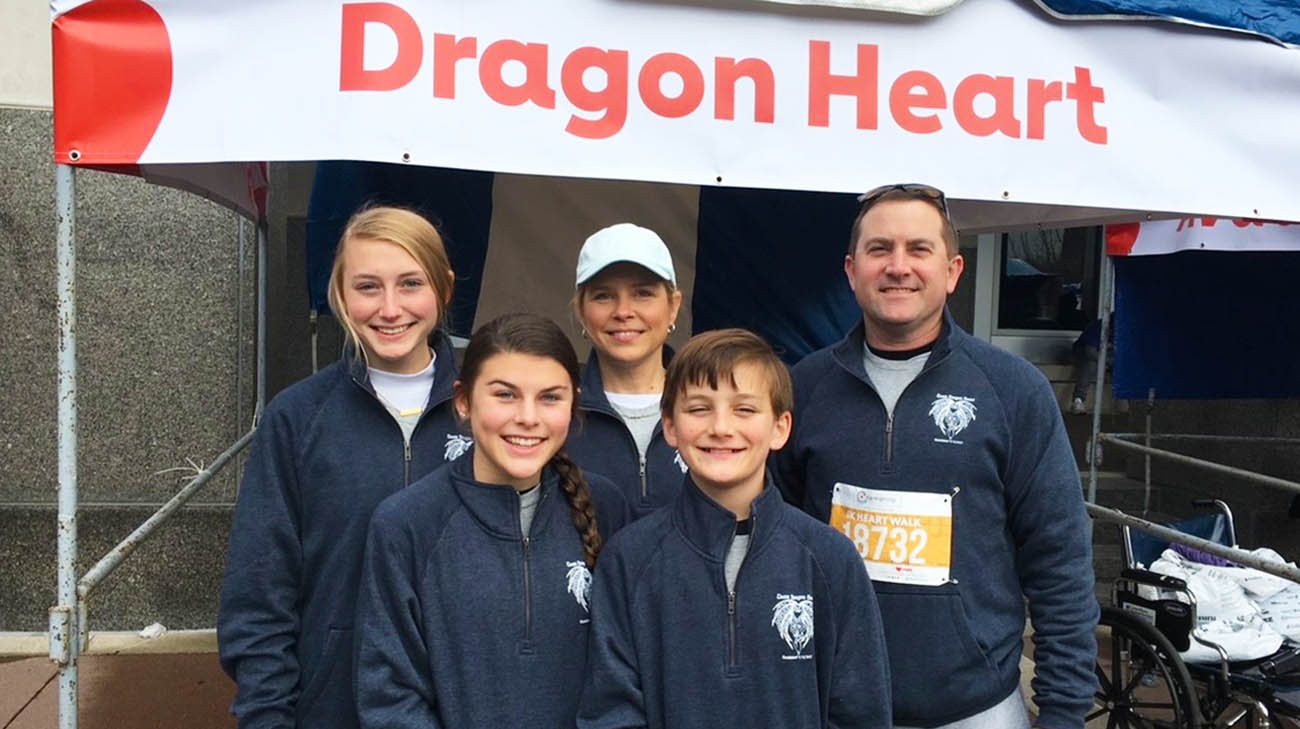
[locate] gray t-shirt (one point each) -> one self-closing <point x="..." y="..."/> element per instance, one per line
<point x="891" y="376"/>
<point x="736" y="552"/>
<point x="528" y="508"/>
<point x="640" y="413"/>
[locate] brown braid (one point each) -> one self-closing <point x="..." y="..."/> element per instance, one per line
<point x="578" y="494"/>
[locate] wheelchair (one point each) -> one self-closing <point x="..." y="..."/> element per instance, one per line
<point x="1143" y="681"/>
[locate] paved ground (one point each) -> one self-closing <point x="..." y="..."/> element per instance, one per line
<point x="121" y="692"/>
<point x="135" y="692"/>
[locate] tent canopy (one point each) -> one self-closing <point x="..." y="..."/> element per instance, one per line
<point x="1276" y="19"/>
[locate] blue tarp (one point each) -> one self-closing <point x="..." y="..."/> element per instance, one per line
<point x="773" y="261"/>
<point x="1208" y="324"/>
<point x="1279" y="19"/>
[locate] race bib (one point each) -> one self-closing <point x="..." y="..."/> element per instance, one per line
<point x="903" y="537"/>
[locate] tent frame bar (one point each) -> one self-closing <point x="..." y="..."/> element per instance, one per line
<point x="68" y="618"/>
<point x="109" y="562"/>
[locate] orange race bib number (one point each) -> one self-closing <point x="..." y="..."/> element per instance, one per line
<point x="902" y="536"/>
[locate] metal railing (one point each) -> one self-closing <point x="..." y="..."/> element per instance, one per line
<point x="1232" y="554"/>
<point x="1126" y="441"/>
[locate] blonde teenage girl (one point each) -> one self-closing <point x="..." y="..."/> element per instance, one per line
<point x="328" y="449"/>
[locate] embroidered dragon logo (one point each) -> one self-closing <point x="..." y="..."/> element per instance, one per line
<point x="456" y="446"/>
<point x="952" y="414"/>
<point x="579" y="578"/>
<point x="792" y="616"/>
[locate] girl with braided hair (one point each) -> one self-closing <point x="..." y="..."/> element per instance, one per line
<point x="473" y="607"/>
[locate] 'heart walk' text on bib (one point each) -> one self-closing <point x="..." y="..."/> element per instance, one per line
<point x="903" y="536"/>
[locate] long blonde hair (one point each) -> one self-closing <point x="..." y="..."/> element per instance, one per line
<point x="406" y="229"/>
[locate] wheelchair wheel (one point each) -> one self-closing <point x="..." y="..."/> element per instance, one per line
<point x="1143" y="684"/>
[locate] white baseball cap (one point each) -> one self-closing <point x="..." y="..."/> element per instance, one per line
<point x="625" y="242"/>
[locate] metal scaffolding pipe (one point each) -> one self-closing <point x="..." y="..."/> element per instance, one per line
<point x="239" y="320"/>
<point x="102" y="569"/>
<point x="1265" y="440"/>
<point x="1146" y="459"/>
<point x="63" y="617"/>
<point x="1238" y="556"/>
<point x="261" y="322"/>
<point x="1105" y="306"/>
<point x="1259" y="478"/>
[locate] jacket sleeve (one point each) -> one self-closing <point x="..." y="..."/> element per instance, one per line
<point x="394" y="687"/>
<point x="860" y="696"/>
<point x="612" y="509"/>
<point x="611" y="697"/>
<point x="258" y="620"/>
<point x="1053" y="538"/>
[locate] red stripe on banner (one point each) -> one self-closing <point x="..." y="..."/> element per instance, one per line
<point x="1120" y="238"/>
<point x="256" y="174"/>
<point x="112" y="80"/>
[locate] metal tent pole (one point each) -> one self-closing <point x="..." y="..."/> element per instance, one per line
<point x="1105" y="306"/>
<point x="261" y="321"/>
<point x="239" y="321"/>
<point x="64" y="648"/>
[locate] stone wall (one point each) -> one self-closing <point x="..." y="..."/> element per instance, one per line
<point x="165" y="379"/>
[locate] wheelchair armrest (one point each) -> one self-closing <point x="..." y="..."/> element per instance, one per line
<point x="1154" y="579"/>
<point x="1282" y="663"/>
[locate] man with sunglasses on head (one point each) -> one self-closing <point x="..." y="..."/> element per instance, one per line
<point x="946" y="461"/>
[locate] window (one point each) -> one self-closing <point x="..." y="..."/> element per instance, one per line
<point x="1048" y="279"/>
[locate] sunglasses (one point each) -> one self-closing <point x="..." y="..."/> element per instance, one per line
<point x="914" y="189"/>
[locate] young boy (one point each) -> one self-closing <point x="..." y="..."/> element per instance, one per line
<point x="729" y="607"/>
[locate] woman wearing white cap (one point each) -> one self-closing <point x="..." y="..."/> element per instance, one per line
<point x="626" y="302"/>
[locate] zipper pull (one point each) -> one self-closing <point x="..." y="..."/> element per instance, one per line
<point x="731" y="602"/>
<point x="645" y="487"/>
<point x="406" y="450"/>
<point x="889" y="440"/>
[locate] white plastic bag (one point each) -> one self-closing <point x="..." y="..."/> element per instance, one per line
<point x="1282" y="611"/>
<point x="1260" y="585"/>
<point x="1224" y="613"/>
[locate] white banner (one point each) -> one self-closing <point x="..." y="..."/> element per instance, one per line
<point x="991" y="101"/>
<point x="1201" y="234"/>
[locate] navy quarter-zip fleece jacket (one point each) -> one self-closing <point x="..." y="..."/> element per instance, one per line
<point x="601" y="442"/>
<point x="1019" y="528"/>
<point x="325" y="454"/>
<point x="462" y="621"/>
<point x="798" y="644"/>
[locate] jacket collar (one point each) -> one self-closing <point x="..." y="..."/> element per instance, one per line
<point x="496" y="507"/>
<point x="444" y="371"/>
<point x="710" y="528"/>
<point x="593" y="384"/>
<point x="848" y="351"/>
